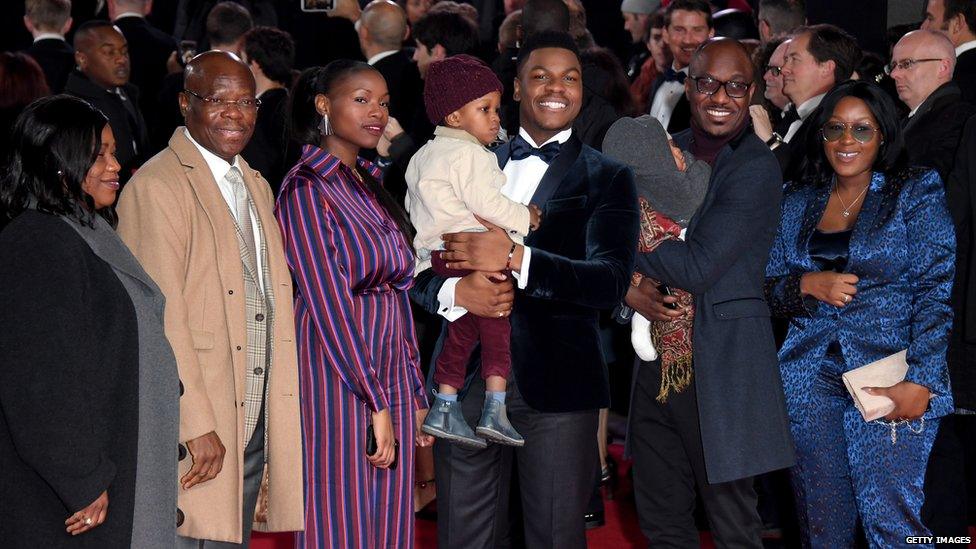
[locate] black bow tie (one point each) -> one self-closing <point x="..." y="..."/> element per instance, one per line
<point x="522" y="149"/>
<point x="671" y="75"/>
<point x="790" y="116"/>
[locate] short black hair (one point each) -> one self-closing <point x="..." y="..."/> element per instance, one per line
<point x="546" y="39"/>
<point x="701" y="6"/>
<point x="816" y="169"/>
<point x="53" y="144"/>
<point x="454" y="32"/>
<point x="967" y="8"/>
<point x="87" y="29"/>
<point x="227" y="22"/>
<point x="832" y="43"/>
<point x="273" y="50"/>
<point x="544" y="15"/>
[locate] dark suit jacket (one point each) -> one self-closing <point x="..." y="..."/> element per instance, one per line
<point x="57" y="60"/>
<point x="406" y="89"/>
<point x="965" y="75"/>
<point x="932" y="135"/>
<point x="132" y="142"/>
<point x="742" y="411"/>
<point x="149" y="48"/>
<point x="680" y="116"/>
<point x="790" y="155"/>
<point x="582" y="259"/>
<point x="266" y="150"/>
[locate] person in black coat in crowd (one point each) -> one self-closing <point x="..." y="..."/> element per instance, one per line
<point x="48" y="22"/>
<point x="89" y="401"/>
<point x="957" y="20"/>
<point x="103" y="80"/>
<point x="270" y="54"/>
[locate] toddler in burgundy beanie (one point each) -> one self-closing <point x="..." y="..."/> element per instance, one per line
<point x="452" y="178"/>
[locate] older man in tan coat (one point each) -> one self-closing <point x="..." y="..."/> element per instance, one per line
<point x="200" y="221"/>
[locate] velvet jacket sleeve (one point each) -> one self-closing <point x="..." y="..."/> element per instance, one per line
<point x="601" y="278"/>
<point x="782" y="286"/>
<point x="932" y="245"/>
<point x="741" y="212"/>
<point x="312" y="244"/>
<point x="44" y="341"/>
<point x="426" y="285"/>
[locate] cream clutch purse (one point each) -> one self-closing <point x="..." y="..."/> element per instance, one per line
<point x="882" y="373"/>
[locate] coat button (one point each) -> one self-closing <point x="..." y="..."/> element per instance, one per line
<point x="259" y="317"/>
<point x="181" y="388"/>
<point x="182" y="450"/>
<point x="238" y="347"/>
<point x="230" y="292"/>
<point x="258" y="371"/>
<point x="179" y="517"/>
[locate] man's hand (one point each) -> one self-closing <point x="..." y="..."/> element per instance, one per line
<point x="348" y="9"/>
<point x="89" y="517"/>
<point x="485" y="294"/>
<point x="646" y="300"/>
<point x="837" y="289"/>
<point x="760" y="122"/>
<point x="911" y="399"/>
<point x="535" y="217"/>
<point x="207" y="453"/>
<point x="487" y="251"/>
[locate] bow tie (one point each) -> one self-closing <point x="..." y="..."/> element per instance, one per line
<point x="790" y="116"/>
<point x="671" y="75"/>
<point x="521" y="149"/>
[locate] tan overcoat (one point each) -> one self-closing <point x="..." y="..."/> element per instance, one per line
<point x="174" y="219"/>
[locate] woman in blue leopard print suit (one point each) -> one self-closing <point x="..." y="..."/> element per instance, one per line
<point x="862" y="265"/>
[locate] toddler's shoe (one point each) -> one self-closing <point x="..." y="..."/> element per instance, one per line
<point x="444" y="420"/>
<point x="494" y="424"/>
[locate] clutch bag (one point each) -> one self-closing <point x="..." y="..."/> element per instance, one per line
<point x="882" y="373"/>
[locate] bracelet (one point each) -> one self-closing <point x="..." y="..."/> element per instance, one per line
<point x="511" y="253"/>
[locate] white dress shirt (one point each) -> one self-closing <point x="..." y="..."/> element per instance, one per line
<point x="129" y="14"/>
<point x="381" y="55"/>
<point x="523" y="177"/>
<point x="49" y="36"/>
<point x="964" y="47"/>
<point x="666" y="99"/>
<point x="219" y="168"/>
<point x="803" y="111"/>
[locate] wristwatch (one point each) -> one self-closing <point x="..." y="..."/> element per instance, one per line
<point x="774" y="141"/>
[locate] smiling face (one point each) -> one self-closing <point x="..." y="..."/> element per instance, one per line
<point x="104" y="58"/>
<point x="479" y="117"/>
<point x="803" y="76"/>
<point x="774" y="83"/>
<point x="220" y="128"/>
<point x="848" y="156"/>
<point x="549" y="90"/>
<point x="102" y="181"/>
<point x="687" y="31"/>
<point x="358" y="108"/>
<point x="718" y="114"/>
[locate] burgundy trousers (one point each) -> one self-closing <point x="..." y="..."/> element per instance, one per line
<point x="464" y="334"/>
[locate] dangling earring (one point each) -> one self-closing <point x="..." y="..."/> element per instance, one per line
<point x="324" y="127"/>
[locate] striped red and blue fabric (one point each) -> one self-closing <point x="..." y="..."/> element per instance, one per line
<point x="357" y="352"/>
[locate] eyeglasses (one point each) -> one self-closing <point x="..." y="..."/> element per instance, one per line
<point x="215" y="103"/>
<point x="776" y="71"/>
<point x="906" y="64"/>
<point x="834" y="131"/>
<point x="707" y="85"/>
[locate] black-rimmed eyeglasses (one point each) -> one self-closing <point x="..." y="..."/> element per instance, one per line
<point x="707" y="85"/>
<point x="249" y="103"/>
<point x="905" y="64"/>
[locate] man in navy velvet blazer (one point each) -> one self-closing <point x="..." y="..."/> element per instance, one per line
<point x="578" y="262"/>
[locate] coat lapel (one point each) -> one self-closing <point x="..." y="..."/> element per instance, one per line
<point x="873" y="202"/>
<point x="557" y="171"/>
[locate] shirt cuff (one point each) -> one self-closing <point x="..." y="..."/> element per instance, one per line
<point x="522" y="277"/>
<point x="445" y="301"/>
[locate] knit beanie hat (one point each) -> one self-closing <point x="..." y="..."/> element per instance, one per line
<point x="454" y="82"/>
<point x="640" y="6"/>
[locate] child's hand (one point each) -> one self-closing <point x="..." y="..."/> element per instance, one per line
<point x="535" y="217"/>
<point x="679" y="157"/>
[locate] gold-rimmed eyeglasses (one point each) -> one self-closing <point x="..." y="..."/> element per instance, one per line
<point x="248" y="103"/>
<point x="905" y="64"/>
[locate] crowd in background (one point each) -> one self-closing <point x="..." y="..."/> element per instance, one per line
<point x="266" y="150"/>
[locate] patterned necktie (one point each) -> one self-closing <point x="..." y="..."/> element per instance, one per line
<point x="671" y="75"/>
<point x="236" y="181"/>
<point x="522" y="149"/>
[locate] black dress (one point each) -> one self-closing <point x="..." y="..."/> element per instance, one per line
<point x="68" y="388"/>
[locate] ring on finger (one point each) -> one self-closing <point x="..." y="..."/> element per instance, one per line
<point x="847" y="298"/>
<point x="88" y="521"/>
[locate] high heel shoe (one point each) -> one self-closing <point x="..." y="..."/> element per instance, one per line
<point x="608" y="477"/>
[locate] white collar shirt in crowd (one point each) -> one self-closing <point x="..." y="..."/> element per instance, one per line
<point x="218" y="169"/>
<point x="129" y="14"/>
<point x="380" y="56"/>
<point x="522" y="178"/>
<point x="666" y="99"/>
<point x="964" y="47"/>
<point x="803" y="111"/>
<point x="49" y="36"/>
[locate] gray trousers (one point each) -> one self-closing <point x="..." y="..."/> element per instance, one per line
<point x="253" y="469"/>
<point x="556" y="468"/>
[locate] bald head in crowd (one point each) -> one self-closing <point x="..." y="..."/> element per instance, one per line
<point x="916" y="82"/>
<point x="220" y="128"/>
<point x="382" y="27"/>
